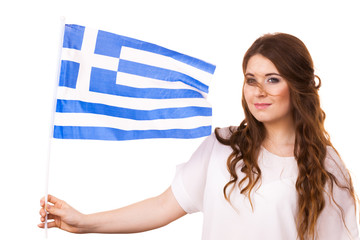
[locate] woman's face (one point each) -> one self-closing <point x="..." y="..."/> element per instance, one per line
<point x="266" y="92"/>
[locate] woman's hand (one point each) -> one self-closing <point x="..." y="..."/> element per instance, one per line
<point x="139" y="217"/>
<point x="63" y="215"/>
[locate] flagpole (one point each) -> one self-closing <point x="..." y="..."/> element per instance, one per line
<point x="51" y="131"/>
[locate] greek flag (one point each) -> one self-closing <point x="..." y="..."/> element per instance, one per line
<point x="113" y="87"/>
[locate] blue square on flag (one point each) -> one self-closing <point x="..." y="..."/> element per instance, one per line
<point x="113" y="87"/>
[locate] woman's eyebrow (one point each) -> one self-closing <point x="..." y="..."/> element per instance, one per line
<point x="250" y="74"/>
<point x="269" y="74"/>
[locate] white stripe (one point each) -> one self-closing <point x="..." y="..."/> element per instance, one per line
<point x="96" y="120"/>
<point x="126" y="102"/>
<point x="90" y="59"/>
<point x="136" y="81"/>
<point x="72" y="55"/>
<point x="161" y="61"/>
<point x="87" y="49"/>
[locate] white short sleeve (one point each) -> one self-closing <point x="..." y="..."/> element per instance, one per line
<point x="190" y="178"/>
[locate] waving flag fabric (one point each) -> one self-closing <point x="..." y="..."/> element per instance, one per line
<point x="113" y="87"/>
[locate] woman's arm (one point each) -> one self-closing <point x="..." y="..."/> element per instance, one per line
<point x="139" y="217"/>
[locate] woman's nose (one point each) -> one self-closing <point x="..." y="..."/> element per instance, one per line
<point x="260" y="91"/>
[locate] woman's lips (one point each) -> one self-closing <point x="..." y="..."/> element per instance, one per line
<point x="262" y="105"/>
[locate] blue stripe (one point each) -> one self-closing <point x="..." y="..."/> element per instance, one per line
<point x="110" y="44"/>
<point x="73" y="36"/>
<point x="104" y="81"/>
<point x="160" y="74"/>
<point x="69" y="73"/>
<point x="103" y="133"/>
<point x="74" y="106"/>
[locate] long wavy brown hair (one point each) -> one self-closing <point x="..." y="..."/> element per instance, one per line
<point x="293" y="61"/>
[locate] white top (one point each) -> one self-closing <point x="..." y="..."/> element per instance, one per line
<point x="198" y="186"/>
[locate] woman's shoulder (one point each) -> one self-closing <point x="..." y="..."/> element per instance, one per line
<point x="332" y="157"/>
<point x="334" y="164"/>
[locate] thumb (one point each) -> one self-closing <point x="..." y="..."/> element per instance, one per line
<point x="54" y="211"/>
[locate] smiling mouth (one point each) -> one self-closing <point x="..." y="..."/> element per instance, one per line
<point x="262" y="105"/>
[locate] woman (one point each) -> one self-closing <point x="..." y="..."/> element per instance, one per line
<point x="276" y="176"/>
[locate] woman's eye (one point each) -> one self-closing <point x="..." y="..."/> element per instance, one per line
<point x="273" y="80"/>
<point x="250" y="81"/>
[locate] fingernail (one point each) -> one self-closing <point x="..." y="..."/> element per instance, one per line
<point x="48" y="207"/>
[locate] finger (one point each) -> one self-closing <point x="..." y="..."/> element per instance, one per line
<point x="53" y="199"/>
<point x="51" y="216"/>
<point x="52" y="224"/>
<point x="42" y="212"/>
<point x="49" y="225"/>
<point x="42" y="200"/>
<point x="54" y="211"/>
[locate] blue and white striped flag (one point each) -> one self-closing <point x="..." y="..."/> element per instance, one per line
<point x="113" y="87"/>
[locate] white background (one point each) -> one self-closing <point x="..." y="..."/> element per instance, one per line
<point x="95" y="176"/>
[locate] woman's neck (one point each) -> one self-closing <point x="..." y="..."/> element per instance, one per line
<point x="280" y="138"/>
